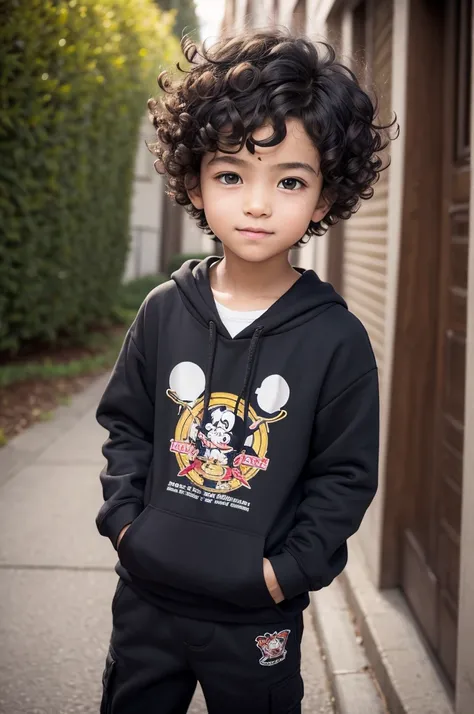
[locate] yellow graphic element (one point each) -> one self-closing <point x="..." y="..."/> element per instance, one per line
<point x="213" y="470"/>
<point x="269" y="420"/>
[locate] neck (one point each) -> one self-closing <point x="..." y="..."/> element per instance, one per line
<point x="241" y="278"/>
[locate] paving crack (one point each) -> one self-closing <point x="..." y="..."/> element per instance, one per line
<point x="79" y="568"/>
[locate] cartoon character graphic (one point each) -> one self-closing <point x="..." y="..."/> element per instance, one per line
<point x="207" y="445"/>
<point x="272" y="647"/>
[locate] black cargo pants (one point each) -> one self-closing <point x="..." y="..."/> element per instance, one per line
<point x="156" y="658"/>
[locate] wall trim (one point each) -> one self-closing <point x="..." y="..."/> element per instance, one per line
<point x="465" y="667"/>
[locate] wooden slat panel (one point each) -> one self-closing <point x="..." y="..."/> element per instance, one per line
<point x="367" y="264"/>
<point x="375" y="222"/>
<point x="359" y="233"/>
<point x="377" y="283"/>
<point x="370" y="298"/>
<point x="420" y="585"/>
<point x="364" y="266"/>
<point x="374" y="328"/>
<point x="454" y="386"/>
<point x="451" y="467"/>
<point x="448" y="631"/>
<point x="450" y="508"/>
<point x="453" y="432"/>
<point x="373" y="207"/>
<point x="382" y="40"/>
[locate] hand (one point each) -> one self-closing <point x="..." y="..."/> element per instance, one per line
<point x="271" y="581"/>
<point x="122" y="533"/>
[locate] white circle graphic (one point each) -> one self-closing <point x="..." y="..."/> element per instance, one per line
<point x="187" y="380"/>
<point x="273" y="394"/>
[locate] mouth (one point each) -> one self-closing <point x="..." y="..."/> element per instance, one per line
<point x="254" y="233"/>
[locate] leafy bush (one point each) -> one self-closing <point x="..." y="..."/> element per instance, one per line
<point x="176" y="261"/>
<point x="186" y="17"/>
<point x="74" y="80"/>
<point x="133" y="292"/>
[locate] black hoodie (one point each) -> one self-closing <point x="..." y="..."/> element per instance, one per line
<point x="225" y="451"/>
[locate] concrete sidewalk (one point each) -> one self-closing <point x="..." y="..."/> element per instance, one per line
<point x="57" y="577"/>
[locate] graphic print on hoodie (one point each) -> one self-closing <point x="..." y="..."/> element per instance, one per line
<point x="206" y="442"/>
<point x="223" y="451"/>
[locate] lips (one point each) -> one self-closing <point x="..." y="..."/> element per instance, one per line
<point x="254" y="232"/>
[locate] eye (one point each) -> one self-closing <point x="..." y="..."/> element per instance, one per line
<point x="229" y="179"/>
<point x="289" y="183"/>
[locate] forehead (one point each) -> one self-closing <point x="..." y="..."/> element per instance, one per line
<point x="296" y="145"/>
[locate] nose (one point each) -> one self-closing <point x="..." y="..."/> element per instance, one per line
<point x="257" y="202"/>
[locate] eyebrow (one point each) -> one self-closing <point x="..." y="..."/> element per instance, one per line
<point x="286" y="165"/>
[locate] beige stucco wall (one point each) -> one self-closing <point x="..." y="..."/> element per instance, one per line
<point x="193" y="240"/>
<point x="146" y="224"/>
<point x="146" y="210"/>
<point x="465" y="674"/>
<point x="261" y="14"/>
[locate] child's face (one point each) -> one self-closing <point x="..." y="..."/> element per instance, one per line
<point x="244" y="190"/>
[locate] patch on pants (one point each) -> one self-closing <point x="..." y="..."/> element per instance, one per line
<point x="272" y="647"/>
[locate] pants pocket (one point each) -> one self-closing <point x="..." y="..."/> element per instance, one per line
<point x="196" y="556"/>
<point x="107" y="682"/>
<point x="286" y="696"/>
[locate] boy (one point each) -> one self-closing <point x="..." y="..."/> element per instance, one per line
<point x="243" y="408"/>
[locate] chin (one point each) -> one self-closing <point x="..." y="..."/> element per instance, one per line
<point x="256" y="253"/>
<point x="257" y="256"/>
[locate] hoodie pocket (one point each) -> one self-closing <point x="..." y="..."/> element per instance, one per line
<point x="196" y="556"/>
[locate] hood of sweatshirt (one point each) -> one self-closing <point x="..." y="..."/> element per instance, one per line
<point x="308" y="297"/>
<point x="225" y="451"/>
<point x="302" y="302"/>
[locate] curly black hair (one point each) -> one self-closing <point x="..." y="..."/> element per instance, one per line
<point x="240" y="83"/>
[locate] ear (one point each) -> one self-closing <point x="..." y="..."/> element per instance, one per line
<point x="193" y="189"/>
<point x="321" y="209"/>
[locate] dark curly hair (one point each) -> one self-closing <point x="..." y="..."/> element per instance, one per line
<point x="238" y="84"/>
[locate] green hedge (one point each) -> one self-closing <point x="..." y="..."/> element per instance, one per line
<point x="133" y="292"/>
<point x="74" y="80"/>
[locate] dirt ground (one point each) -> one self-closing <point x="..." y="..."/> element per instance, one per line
<point x="26" y="402"/>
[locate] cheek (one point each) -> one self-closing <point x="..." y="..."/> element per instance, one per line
<point x="217" y="218"/>
<point x="219" y="205"/>
<point x="297" y="209"/>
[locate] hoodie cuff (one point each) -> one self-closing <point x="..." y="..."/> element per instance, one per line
<point x="117" y="518"/>
<point x="290" y="577"/>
